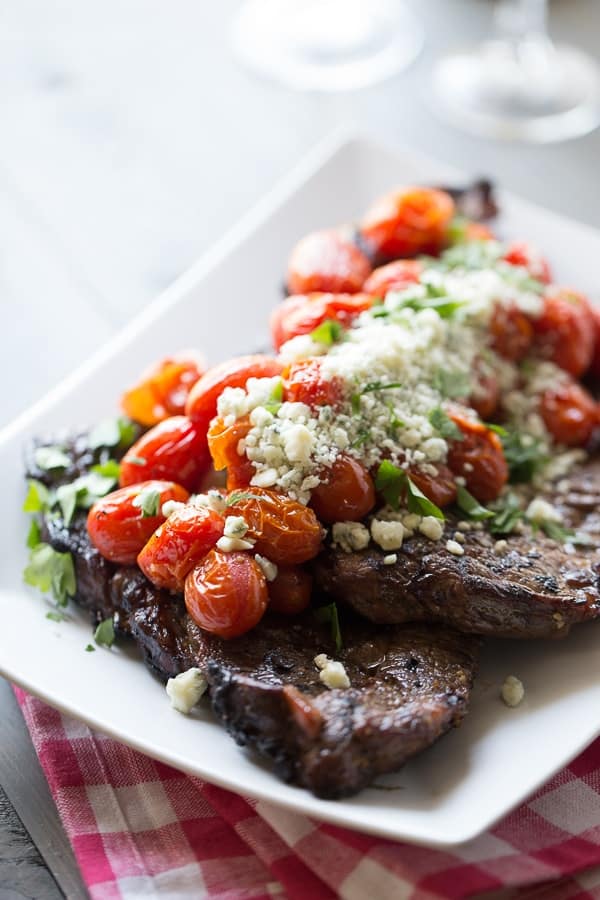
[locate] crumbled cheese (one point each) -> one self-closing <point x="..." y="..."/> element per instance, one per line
<point x="333" y="674"/>
<point x="170" y="506"/>
<point x="512" y="691"/>
<point x="459" y="537"/>
<point x="500" y="547"/>
<point x="455" y="548"/>
<point x="540" y="510"/>
<point x="389" y="535"/>
<point x="186" y="689"/>
<point x="431" y="527"/>
<point x="390" y="559"/>
<point x="350" y="536"/>
<point x="213" y="499"/>
<point x="298" y="443"/>
<point x="300" y="348"/>
<point x="235" y="526"/>
<point x="234" y="535"/>
<point x="464" y="526"/>
<point x="269" y="568"/>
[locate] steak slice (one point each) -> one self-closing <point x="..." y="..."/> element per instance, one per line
<point x="537" y="588"/>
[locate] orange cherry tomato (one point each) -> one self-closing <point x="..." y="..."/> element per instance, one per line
<point x="519" y="253"/>
<point x="569" y="413"/>
<point x="511" y="331"/>
<point x="290" y="591"/>
<point x="477" y="231"/>
<point x="407" y="222"/>
<point x="226" y="594"/>
<point x="303" y="313"/>
<point x="118" y="529"/>
<point x="163" y="390"/>
<point x="175" y="449"/>
<point x="394" y="276"/>
<point x="285" y="531"/>
<point x="223" y="443"/>
<point x="439" y="488"/>
<point x="485" y="399"/>
<point x="594" y="368"/>
<point x="564" y="333"/>
<point x="304" y="383"/>
<point x="327" y="261"/>
<point x="178" y="545"/>
<point x="201" y="404"/>
<point x="478" y="458"/>
<point x="347" y="495"/>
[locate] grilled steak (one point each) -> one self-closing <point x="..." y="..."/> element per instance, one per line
<point x="538" y="588"/>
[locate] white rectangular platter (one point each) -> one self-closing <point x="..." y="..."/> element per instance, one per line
<point x="470" y="778"/>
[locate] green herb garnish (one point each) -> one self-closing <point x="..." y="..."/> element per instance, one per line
<point x="55" y="616"/>
<point x="38" y="497"/>
<point x="507" y="514"/>
<point x="109" y="469"/>
<point x="240" y="496"/>
<point x="82" y="493"/>
<point x="371" y="388"/>
<point x="47" y="458"/>
<point x="393" y="482"/>
<point x="523" y="455"/>
<point x="444" y="425"/>
<point x="329" y="615"/>
<point x="119" y="432"/>
<point x="470" y="506"/>
<point x="90" y="648"/>
<point x="273" y="403"/>
<point x="148" y="500"/>
<point x="33" y="535"/>
<point x="104" y="634"/>
<point x="328" y="332"/>
<point x="51" y="571"/>
<point x="452" y="385"/>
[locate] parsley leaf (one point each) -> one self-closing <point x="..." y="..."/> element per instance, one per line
<point x="110" y="468"/>
<point x="445" y="307"/>
<point x="240" y="496"/>
<point x="51" y="458"/>
<point x="507" y="514"/>
<point x="328" y="332"/>
<point x="33" y="535"/>
<point x="104" y="634"/>
<point x="444" y="425"/>
<point x="90" y="648"/>
<point x="38" y="497"/>
<point x="418" y="503"/>
<point x="120" y="432"/>
<point x="470" y="506"/>
<point x="273" y="404"/>
<point x="523" y="455"/>
<point x="472" y="255"/>
<point x="148" y="500"/>
<point x="329" y="615"/>
<point x="451" y="384"/>
<point x="49" y="570"/>
<point x="83" y="493"/>
<point x="55" y="616"/>
<point x="370" y="388"/>
<point x="497" y="429"/>
<point x="392" y="482"/>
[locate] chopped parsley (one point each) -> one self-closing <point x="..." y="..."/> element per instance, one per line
<point x="37" y="498"/>
<point x="120" y="432"/>
<point x="444" y="425"/>
<point x="110" y="468"/>
<point x="470" y="255"/>
<point x="90" y="648"/>
<point x="507" y="514"/>
<point x="273" y="404"/>
<point x="148" y="500"/>
<point x="452" y="385"/>
<point x="82" y="493"/>
<point x="51" y="571"/>
<point x="371" y="388"/>
<point x="328" y="332"/>
<point x="33" y="535"/>
<point x="394" y="483"/>
<point x="470" y="506"/>
<point x="328" y="615"/>
<point x="104" y="634"/>
<point x="524" y="456"/>
<point x="55" y="615"/>
<point x="444" y="306"/>
<point x="47" y="458"/>
<point x="240" y="496"/>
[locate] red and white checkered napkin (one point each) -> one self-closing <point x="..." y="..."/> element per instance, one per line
<point x="142" y="829"/>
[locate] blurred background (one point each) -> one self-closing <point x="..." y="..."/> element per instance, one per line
<point x="131" y="138"/>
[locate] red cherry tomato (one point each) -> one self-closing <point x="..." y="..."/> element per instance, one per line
<point x="511" y="332"/>
<point x="201" y="404"/>
<point x="226" y="594"/>
<point x="478" y="458"/>
<point x="439" y="488"/>
<point x="285" y="531"/>
<point x="119" y="529"/>
<point x="290" y="592"/>
<point x="163" y="390"/>
<point x="326" y="261"/>
<point x="407" y="222"/>
<point x="304" y="383"/>
<point x="175" y="449"/>
<point x="564" y="333"/>
<point x="594" y="368"/>
<point x="569" y="413"/>
<point x="394" y="276"/>
<point x="518" y="253"/>
<point x="347" y="495"/>
<point x="178" y="545"/>
<point x="485" y="399"/>
<point x="223" y="443"/>
<point x="303" y="313"/>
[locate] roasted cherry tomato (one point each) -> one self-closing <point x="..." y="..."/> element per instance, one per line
<point x="569" y="413"/>
<point x="407" y="222"/>
<point x="478" y="458"/>
<point x="511" y="331"/>
<point x="518" y="253"/>
<point x="201" y="404"/>
<point x="175" y="449"/>
<point x="594" y="368"/>
<point x="119" y="528"/>
<point x="303" y="313"/>
<point x="163" y="390"/>
<point x="564" y="333"/>
<point x="290" y="592"/>
<point x="284" y="530"/>
<point x="347" y="495"/>
<point x="394" y="276"/>
<point x="485" y="399"/>
<point x="226" y="594"/>
<point x="223" y="443"/>
<point x="305" y="383"/>
<point x="327" y="261"/>
<point x="477" y="231"/>
<point x="439" y="488"/>
<point x="179" y="544"/>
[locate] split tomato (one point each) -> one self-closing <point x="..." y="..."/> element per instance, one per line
<point x="163" y="390"/>
<point x="226" y="594"/>
<point x="283" y="530"/>
<point x="407" y="222"/>
<point x="223" y="443"/>
<point x="175" y="449"/>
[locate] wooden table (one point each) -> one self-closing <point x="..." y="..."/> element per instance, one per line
<point x="129" y="141"/>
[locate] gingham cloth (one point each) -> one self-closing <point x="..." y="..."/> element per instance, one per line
<point x="142" y="829"/>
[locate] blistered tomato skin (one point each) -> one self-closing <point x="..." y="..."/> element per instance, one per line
<point x="284" y="531"/>
<point x="569" y="413"/>
<point x="478" y="458"/>
<point x="511" y="332"/>
<point x="175" y="449"/>
<point x="223" y="443"/>
<point x="304" y="383"/>
<point x="289" y="593"/>
<point x="201" y="404"/>
<point x="118" y="529"/>
<point x="408" y="222"/>
<point x="326" y="261"/>
<point x="226" y="594"/>
<point x="565" y="331"/>
<point x="162" y="391"/>
<point x="394" y="276"/>
<point x="178" y="545"/>
<point x="302" y="313"/>
<point x="439" y="488"/>
<point x="348" y="495"/>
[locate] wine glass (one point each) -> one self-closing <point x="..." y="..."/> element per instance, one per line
<point x="330" y="45"/>
<point x="519" y="84"/>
